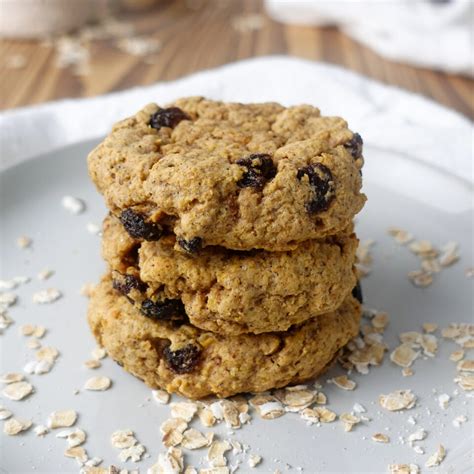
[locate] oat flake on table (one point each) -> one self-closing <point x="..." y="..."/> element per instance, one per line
<point x="99" y="383"/>
<point x="437" y="457"/>
<point x="13" y="426"/>
<point x="62" y="419"/>
<point x="172" y="430"/>
<point x="398" y="400"/>
<point x="11" y="377"/>
<point x="17" y="390"/>
<point x="216" y="453"/>
<point x="74" y="437"/>
<point x="50" y="295"/>
<point x="4" y="413"/>
<point x="122" y="439"/>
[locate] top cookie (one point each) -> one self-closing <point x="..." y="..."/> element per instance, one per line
<point x="240" y="176"/>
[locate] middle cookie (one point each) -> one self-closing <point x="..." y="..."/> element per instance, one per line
<point x="231" y="292"/>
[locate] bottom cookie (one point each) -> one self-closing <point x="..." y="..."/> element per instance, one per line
<point x="197" y="363"/>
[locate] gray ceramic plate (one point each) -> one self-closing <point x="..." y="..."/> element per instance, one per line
<point x="401" y="192"/>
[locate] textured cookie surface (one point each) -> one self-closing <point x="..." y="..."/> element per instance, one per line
<point x="233" y="292"/>
<point x="233" y="175"/>
<point x="195" y="363"/>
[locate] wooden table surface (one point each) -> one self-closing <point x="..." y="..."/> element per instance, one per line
<point x="199" y="34"/>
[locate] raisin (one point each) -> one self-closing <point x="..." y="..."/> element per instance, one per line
<point x="169" y="117"/>
<point x="354" y="145"/>
<point x="165" y="310"/>
<point x="182" y="361"/>
<point x="320" y="179"/>
<point x="128" y="283"/>
<point x="191" y="246"/>
<point x="260" y="169"/>
<point x="357" y="293"/>
<point x="136" y="225"/>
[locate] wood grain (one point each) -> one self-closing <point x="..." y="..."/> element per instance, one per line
<point x="201" y="38"/>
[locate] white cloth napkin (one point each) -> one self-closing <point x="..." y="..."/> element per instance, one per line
<point x="429" y="33"/>
<point x="386" y="117"/>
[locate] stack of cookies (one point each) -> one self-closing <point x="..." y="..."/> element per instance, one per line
<point x="229" y="243"/>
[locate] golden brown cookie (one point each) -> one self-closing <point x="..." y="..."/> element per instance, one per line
<point x="232" y="292"/>
<point x="232" y="175"/>
<point x="196" y="363"/>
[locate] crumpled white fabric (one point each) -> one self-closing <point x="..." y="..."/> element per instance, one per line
<point x="386" y="117"/>
<point x="428" y="33"/>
